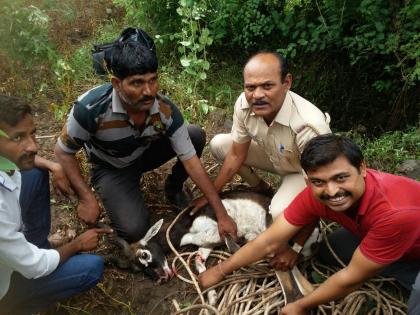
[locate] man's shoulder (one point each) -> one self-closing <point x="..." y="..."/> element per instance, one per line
<point x="391" y="182"/>
<point x="96" y="97"/>
<point x="166" y="106"/>
<point x="304" y="107"/>
<point x="92" y="104"/>
<point x="304" y="114"/>
<point x="7" y="184"/>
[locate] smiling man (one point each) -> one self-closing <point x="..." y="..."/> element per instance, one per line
<point x="379" y="212"/>
<point x="32" y="274"/>
<point x="127" y="128"/>
<point x="271" y="126"/>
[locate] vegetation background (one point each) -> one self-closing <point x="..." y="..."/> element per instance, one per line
<point x="359" y="60"/>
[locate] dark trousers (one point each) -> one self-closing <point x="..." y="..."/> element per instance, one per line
<point x="119" y="188"/>
<point x="407" y="273"/>
<point x="76" y="275"/>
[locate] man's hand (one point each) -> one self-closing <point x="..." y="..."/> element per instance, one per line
<point x="89" y="240"/>
<point x="60" y="182"/>
<point x="226" y="225"/>
<point x="211" y="277"/>
<point x="293" y="309"/>
<point x="88" y="209"/>
<point x="197" y="204"/>
<point x="284" y="259"/>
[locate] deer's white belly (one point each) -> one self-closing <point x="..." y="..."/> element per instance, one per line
<point x="249" y="216"/>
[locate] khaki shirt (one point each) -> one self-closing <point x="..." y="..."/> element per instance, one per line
<point x="283" y="141"/>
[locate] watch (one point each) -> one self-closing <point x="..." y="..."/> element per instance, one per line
<point x="297" y="248"/>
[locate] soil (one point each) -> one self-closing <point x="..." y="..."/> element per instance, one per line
<point x="121" y="291"/>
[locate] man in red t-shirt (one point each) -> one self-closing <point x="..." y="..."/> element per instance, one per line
<point x="380" y="213"/>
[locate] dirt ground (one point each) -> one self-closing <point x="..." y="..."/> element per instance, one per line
<point x="121" y="292"/>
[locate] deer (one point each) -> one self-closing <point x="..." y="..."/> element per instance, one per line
<point x="249" y="210"/>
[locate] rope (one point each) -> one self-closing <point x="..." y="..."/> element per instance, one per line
<point x="255" y="289"/>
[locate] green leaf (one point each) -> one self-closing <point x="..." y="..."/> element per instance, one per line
<point x="205" y="32"/>
<point x="203" y="106"/>
<point x="185" y="43"/>
<point x="203" y="75"/>
<point x="185" y="62"/>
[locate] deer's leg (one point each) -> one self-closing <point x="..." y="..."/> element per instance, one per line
<point x="200" y="259"/>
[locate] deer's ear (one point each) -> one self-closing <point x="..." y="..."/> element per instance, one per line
<point x="151" y="232"/>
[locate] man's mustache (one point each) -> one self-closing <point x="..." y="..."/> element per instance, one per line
<point x="337" y="195"/>
<point x="259" y="102"/>
<point x="27" y="156"/>
<point x="146" y="99"/>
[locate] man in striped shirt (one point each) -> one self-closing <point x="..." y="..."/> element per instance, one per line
<point x="127" y="128"/>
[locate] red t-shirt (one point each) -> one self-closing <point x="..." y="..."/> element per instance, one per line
<point x="387" y="221"/>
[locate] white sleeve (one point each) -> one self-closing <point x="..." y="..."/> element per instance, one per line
<point x="20" y="255"/>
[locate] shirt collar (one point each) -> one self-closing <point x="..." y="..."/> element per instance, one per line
<point x="368" y="194"/>
<point x="117" y="106"/>
<point x="7" y="181"/>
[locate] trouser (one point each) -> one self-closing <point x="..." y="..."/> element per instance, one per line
<point x="76" y="275"/>
<point x="119" y="188"/>
<point x="291" y="185"/>
<point x="407" y="273"/>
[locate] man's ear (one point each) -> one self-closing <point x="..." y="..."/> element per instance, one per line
<point x="288" y="81"/>
<point x="116" y="83"/>
<point x="362" y="168"/>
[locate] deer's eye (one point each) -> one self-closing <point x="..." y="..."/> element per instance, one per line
<point x="144" y="256"/>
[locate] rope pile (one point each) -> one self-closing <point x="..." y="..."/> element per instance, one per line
<point x="256" y="290"/>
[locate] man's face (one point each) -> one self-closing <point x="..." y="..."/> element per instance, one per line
<point x="137" y="92"/>
<point x="21" y="146"/>
<point x="338" y="185"/>
<point x="264" y="90"/>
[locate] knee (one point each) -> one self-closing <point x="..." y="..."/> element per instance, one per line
<point x="35" y="177"/>
<point x="94" y="266"/>
<point x="198" y="138"/>
<point x="219" y="146"/>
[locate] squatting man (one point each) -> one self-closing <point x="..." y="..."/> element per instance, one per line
<point x="33" y="276"/>
<point x="127" y="128"/>
<point x="379" y="213"/>
<point x="271" y="126"/>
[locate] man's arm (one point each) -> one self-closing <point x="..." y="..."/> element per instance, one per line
<point x="271" y="240"/>
<point x="84" y="242"/>
<point x="88" y="208"/>
<point x="233" y="161"/>
<point x="59" y="178"/>
<point x="198" y="174"/>
<point x="286" y="258"/>
<point x="338" y="285"/>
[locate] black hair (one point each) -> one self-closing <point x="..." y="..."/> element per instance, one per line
<point x="283" y="62"/>
<point x="13" y="109"/>
<point x="133" y="53"/>
<point x="324" y="149"/>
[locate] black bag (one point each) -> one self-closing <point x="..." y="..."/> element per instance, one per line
<point x="101" y="52"/>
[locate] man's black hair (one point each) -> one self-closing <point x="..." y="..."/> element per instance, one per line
<point x="133" y="53"/>
<point x="284" y="64"/>
<point x="323" y="150"/>
<point x="13" y="110"/>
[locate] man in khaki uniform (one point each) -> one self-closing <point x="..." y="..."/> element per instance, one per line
<point x="271" y="126"/>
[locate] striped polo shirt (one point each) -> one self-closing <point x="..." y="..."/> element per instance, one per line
<point x="99" y="123"/>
